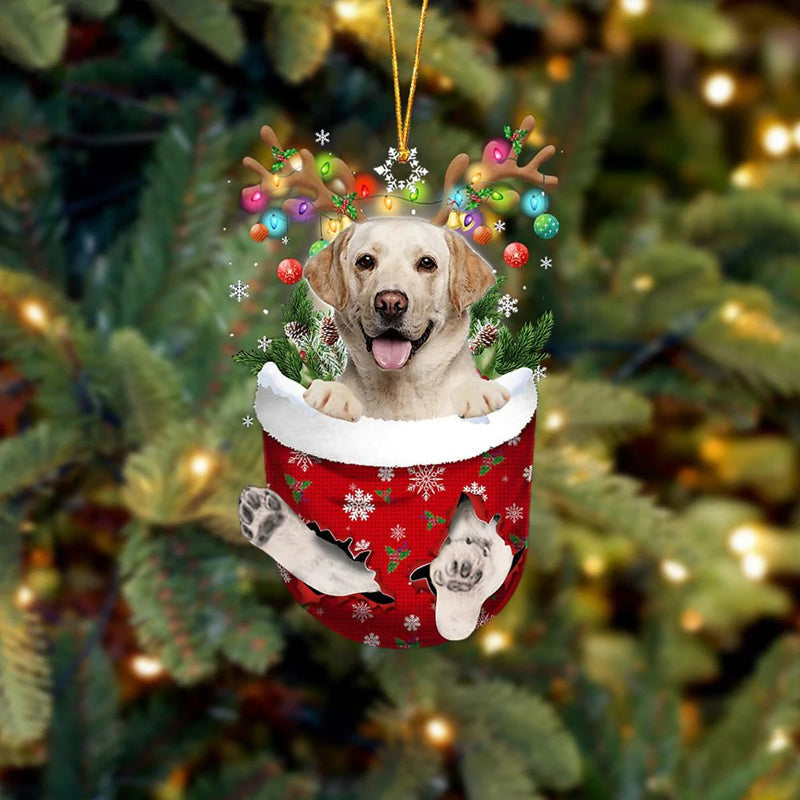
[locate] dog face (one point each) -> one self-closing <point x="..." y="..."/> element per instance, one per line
<point x="397" y="285"/>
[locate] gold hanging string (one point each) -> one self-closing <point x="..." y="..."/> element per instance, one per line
<point x="404" y="126"/>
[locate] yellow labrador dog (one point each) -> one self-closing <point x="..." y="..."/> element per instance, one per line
<point x="401" y="291"/>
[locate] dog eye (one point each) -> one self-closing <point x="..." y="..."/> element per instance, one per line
<point x="426" y="264"/>
<point x="365" y="262"/>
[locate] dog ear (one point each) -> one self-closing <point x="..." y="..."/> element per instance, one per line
<point x="471" y="275"/>
<point x="325" y="271"/>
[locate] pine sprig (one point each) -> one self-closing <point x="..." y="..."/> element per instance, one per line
<point x="524" y="350"/>
<point x="279" y="351"/>
<point x="300" y="307"/>
<point x="485" y="310"/>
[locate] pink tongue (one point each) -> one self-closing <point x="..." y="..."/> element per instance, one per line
<point x="391" y="353"/>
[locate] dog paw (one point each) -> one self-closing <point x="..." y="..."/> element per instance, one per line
<point x="478" y="398"/>
<point x="334" y="399"/>
<point x="261" y="512"/>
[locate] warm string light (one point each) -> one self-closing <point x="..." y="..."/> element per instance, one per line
<point x="634" y="8"/>
<point x="779" y="740"/>
<point x="201" y="463"/>
<point x="744" y="176"/>
<point x="674" y="571"/>
<point x="743" y="539"/>
<point x="593" y="565"/>
<point x="146" y="667"/>
<point x="348" y="10"/>
<point x="776" y="139"/>
<point x="35" y="314"/>
<point x="495" y="641"/>
<point x="438" y="731"/>
<point x="719" y="88"/>
<point x="643" y="283"/>
<point x="754" y="566"/>
<point x="796" y="134"/>
<point x="691" y="620"/>
<point x="554" y="421"/>
<point x="24" y="597"/>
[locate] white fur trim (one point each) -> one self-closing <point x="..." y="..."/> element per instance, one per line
<point x="284" y="415"/>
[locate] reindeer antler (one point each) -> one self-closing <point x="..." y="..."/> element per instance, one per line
<point x="492" y="170"/>
<point x="305" y="177"/>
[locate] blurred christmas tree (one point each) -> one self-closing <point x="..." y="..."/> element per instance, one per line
<point x="651" y="652"/>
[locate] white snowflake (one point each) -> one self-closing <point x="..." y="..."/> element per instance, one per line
<point x="515" y="441"/>
<point x="285" y="240"/>
<point x="361" y="611"/>
<point x="264" y="343"/>
<point x="303" y="460"/>
<point x="546" y="262"/>
<point x="539" y="373"/>
<point x="507" y="305"/>
<point x="322" y="137"/>
<point x="398" y="532"/>
<point x="500" y="226"/>
<point x="247" y="421"/>
<point x="411" y="622"/>
<point x="285" y="574"/>
<point x="514" y="513"/>
<point x="475" y="488"/>
<point x="504" y="479"/>
<point x="386" y="474"/>
<point x="483" y="618"/>
<point x="239" y="290"/>
<point x="372" y="639"/>
<point x="358" y="505"/>
<point x="418" y="172"/>
<point x="527" y="473"/>
<point x="361" y="544"/>
<point x="425" y="480"/>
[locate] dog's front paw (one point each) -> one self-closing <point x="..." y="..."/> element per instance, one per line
<point x="261" y="512"/>
<point x="478" y="398"/>
<point x="334" y="399"/>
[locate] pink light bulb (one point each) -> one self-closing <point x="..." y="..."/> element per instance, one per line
<point x="253" y="200"/>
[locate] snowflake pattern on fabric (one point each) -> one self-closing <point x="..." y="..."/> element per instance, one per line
<point x="372" y="639"/>
<point x="322" y="137"/>
<point x="418" y="172"/>
<point x="361" y="544"/>
<point x="477" y="489"/>
<point x="507" y="305"/>
<point x="412" y="622"/>
<point x="386" y="474"/>
<point x="483" y="618"/>
<point x="361" y="611"/>
<point x="426" y="481"/>
<point x="527" y="473"/>
<point x="264" y="342"/>
<point x="239" y="290"/>
<point x="303" y="460"/>
<point x="358" y="505"/>
<point x="398" y="532"/>
<point x="286" y="576"/>
<point x="514" y="513"/>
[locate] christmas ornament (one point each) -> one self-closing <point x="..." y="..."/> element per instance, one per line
<point x="516" y="255"/>
<point x="482" y="234"/>
<point x="546" y="226"/>
<point x="534" y="202"/>
<point x="300" y="209"/>
<point x="471" y="220"/>
<point x="258" y="232"/>
<point x="253" y="200"/>
<point x="385" y="170"/>
<point x="290" y="270"/>
<point x="277" y="223"/>
<point x="317" y="247"/>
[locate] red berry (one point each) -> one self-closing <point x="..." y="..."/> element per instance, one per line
<point x="290" y="270"/>
<point x="516" y="255"/>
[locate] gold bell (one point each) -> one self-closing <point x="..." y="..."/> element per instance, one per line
<point x="453" y="220"/>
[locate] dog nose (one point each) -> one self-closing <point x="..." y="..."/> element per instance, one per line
<point x="391" y="305"/>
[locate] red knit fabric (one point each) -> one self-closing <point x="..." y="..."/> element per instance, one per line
<point x="400" y="516"/>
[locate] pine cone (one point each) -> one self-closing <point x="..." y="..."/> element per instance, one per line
<point x="296" y="332"/>
<point x="328" y="332"/>
<point x="485" y="337"/>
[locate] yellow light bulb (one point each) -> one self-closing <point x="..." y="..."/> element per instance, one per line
<point x="691" y="620"/>
<point x="201" y="464"/>
<point x="388" y="202"/>
<point x="438" y="731"/>
<point x="674" y="571"/>
<point x="296" y="162"/>
<point x="754" y="566"/>
<point x="35" y="314"/>
<point x="731" y="311"/>
<point x="634" y="8"/>
<point x="743" y="539"/>
<point x="24" y="597"/>
<point x="744" y="176"/>
<point x="495" y="641"/>
<point x="719" y="88"/>
<point x="347" y="9"/>
<point x="276" y="181"/>
<point x="555" y="421"/>
<point x="593" y="565"/>
<point x="776" y="139"/>
<point x="146" y="666"/>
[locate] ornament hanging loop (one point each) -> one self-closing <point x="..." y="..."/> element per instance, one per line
<point x="404" y="125"/>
